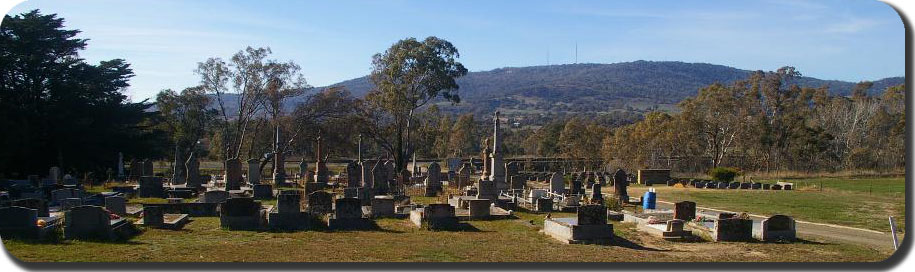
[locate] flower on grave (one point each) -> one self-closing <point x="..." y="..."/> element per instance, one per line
<point x="41" y="223"/>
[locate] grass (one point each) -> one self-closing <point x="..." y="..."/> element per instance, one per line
<point x="855" y="202"/>
<point x="515" y="240"/>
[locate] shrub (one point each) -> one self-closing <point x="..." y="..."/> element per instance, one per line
<point x="723" y="174"/>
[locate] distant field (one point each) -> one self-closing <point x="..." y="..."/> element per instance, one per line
<point x="856" y="202"/>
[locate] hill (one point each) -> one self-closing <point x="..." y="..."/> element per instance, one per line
<point x="637" y="86"/>
<point x="599" y="87"/>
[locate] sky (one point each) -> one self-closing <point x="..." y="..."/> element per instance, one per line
<point x="333" y="41"/>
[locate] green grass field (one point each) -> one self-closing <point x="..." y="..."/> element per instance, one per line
<point x="856" y="202"/>
<point x="515" y="240"/>
<point x="861" y="202"/>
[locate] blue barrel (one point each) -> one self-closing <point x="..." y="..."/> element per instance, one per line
<point x="649" y="200"/>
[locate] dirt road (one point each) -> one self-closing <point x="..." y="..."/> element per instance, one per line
<point x="870" y="238"/>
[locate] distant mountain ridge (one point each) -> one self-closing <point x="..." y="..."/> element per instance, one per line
<point x="638" y="85"/>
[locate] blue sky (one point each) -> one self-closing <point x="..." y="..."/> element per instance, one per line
<point x="334" y="40"/>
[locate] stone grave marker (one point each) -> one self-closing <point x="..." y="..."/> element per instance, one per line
<point x="233" y="175"/>
<point x="151" y="187"/>
<point x="557" y="184"/>
<point x="40" y="206"/>
<point x="116" y="205"/>
<point x="685" y="210"/>
<point x="320" y="202"/>
<point x="263" y="191"/>
<point x="254" y="171"/>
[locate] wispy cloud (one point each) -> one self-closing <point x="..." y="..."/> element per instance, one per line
<point x="852" y="26"/>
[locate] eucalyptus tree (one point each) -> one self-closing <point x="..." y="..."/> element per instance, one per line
<point x="407" y="76"/>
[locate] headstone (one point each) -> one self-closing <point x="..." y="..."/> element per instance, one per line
<point x="116" y="205"/>
<point x="263" y="191"/>
<point x="233" y="174"/>
<point x="463" y="176"/>
<point x="148" y="168"/>
<point x="320" y="202"/>
<point x="216" y="196"/>
<point x="153" y="216"/>
<point x="685" y="210"/>
<point x="352" y="175"/>
<point x="69" y="203"/>
<point x="379" y="178"/>
<point x="382" y="206"/>
<point x="289" y="202"/>
<point x="241" y="213"/>
<point x="303" y="169"/>
<point x="347" y="208"/>
<point x="136" y="169"/>
<point x="88" y="222"/>
<point x="479" y="208"/>
<point x="433" y="180"/>
<point x="777" y="228"/>
<point x="592" y="215"/>
<point x="557" y="184"/>
<point x="596" y="196"/>
<point x="575" y="187"/>
<point x="620" y="183"/>
<point x="17" y="221"/>
<point x="321" y="173"/>
<point x="54" y="174"/>
<point x="254" y="171"/>
<point x="193" y="171"/>
<point x="151" y="187"/>
<point x="120" y="165"/>
<point x="486" y="189"/>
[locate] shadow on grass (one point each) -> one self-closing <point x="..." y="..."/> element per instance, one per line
<point x="623" y="242"/>
<point x="459" y="227"/>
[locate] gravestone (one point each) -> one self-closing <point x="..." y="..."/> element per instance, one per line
<point x="254" y="171"/>
<point x="93" y="222"/>
<point x="592" y="215"/>
<point x="653" y="176"/>
<point x="116" y="205"/>
<point x="463" y="176"/>
<point x="216" y="196"/>
<point x="136" y="169"/>
<point x="777" y="228"/>
<point x="347" y="208"/>
<point x="148" y="168"/>
<point x="233" y="175"/>
<point x="511" y="170"/>
<point x="352" y="175"/>
<point x="575" y="187"/>
<point x="289" y="202"/>
<point x="263" y="191"/>
<point x="557" y="184"/>
<point x="151" y="187"/>
<point x="241" y="213"/>
<point x="193" y="172"/>
<point x="479" y="208"/>
<point x="320" y="202"/>
<point x="303" y="169"/>
<point x="543" y="204"/>
<point x="596" y="196"/>
<point x="486" y="189"/>
<point x="351" y="192"/>
<point x="18" y="222"/>
<point x="517" y="182"/>
<point x="433" y="180"/>
<point x="289" y="215"/>
<point x="153" y="216"/>
<point x="69" y="203"/>
<point x="39" y="205"/>
<point x="620" y="182"/>
<point x="382" y="206"/>
<point x="685" y="210"/>
<point x="54" y="174"/>
<point x="379" y="178"/>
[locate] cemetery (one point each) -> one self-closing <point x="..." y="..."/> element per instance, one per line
<point x="597" y="208"/>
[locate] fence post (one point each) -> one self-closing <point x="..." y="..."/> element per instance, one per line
<point x="893" y="230"/>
